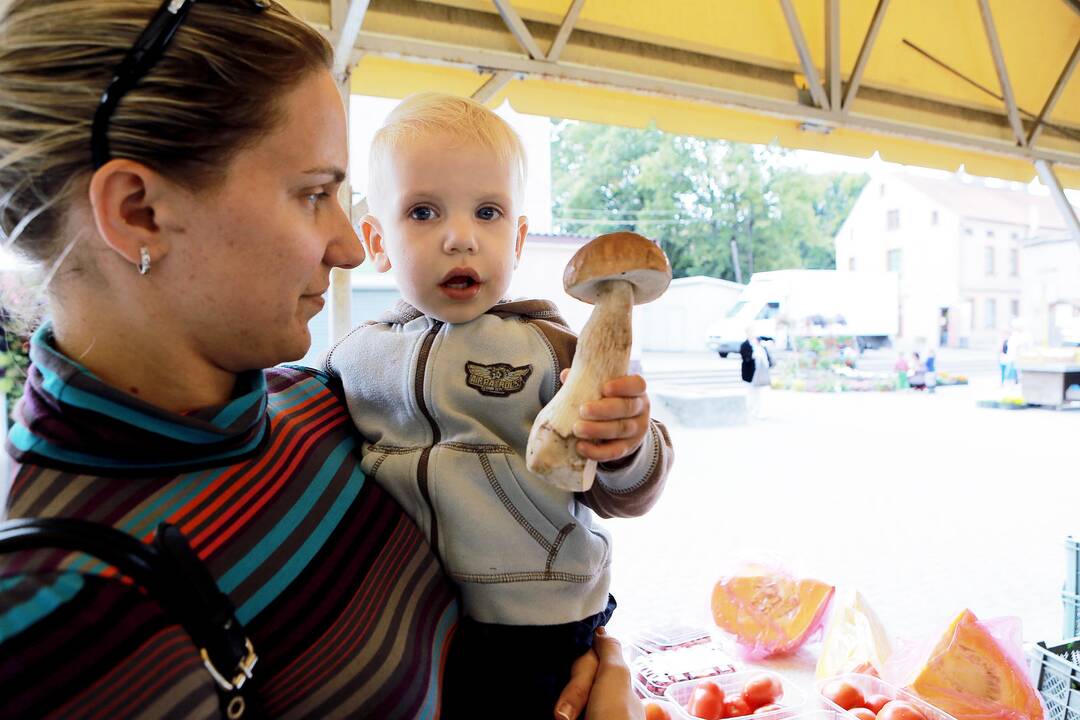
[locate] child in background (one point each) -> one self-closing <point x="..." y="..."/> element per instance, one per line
<point x="444" y="389"/>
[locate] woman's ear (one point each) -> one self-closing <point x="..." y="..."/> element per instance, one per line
<point x="124" y="197"/>
<point x="374" y="243"/>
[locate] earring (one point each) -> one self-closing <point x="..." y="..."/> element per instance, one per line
<point x="144" y="261"/>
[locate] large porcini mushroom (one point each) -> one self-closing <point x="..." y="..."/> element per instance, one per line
<point x="613" y="273"/>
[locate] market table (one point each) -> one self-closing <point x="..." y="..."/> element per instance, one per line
<point x="1046" y="384"/>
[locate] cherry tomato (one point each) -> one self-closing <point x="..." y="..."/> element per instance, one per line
<point x="656" y="712"/>
<point x="863" y="713"/>
<point x="843" y="694"/>
<point x="876" y="702"/>
<point x="768" y="708"/>
<point x="900" y="710"/>
<point x="763" y="689"/>
<point x="736" y="706"/>
<point x="707" y="701"/>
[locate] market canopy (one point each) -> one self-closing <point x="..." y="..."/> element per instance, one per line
<point x="939" y="83"/>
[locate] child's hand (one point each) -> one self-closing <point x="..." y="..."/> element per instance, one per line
<point x="614" y="426"/>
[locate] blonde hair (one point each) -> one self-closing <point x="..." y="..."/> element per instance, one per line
<point x="463" y="119"/>
<point x="215" y="91"/>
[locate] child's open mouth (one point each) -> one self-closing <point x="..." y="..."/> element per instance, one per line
<point x="460" y="284"/>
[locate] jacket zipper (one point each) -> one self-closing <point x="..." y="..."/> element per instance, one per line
<point x="422" y="479"/>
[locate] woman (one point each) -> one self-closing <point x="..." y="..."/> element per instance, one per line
<point x="187" y="221"/>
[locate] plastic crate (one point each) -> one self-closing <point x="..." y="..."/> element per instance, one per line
<point x="1072" y="568"/>
<point x="1056" y="673"/>
<point x="1071" y="625"/>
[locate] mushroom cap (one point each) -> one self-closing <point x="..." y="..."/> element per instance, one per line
<point x="618" y="256"/>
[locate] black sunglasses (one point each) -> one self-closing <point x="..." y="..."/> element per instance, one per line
<point x="143" y="55"/>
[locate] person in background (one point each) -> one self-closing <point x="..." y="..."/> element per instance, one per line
<point x="901" y="368"/>
<point x="917" y="375"/>
<point x="930" y="376"/>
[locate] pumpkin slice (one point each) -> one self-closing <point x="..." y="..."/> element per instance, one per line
<point x="971" y="677"/>
<point x="770" y="613"/>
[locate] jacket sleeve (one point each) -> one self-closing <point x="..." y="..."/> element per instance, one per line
<point x="629" y="487"/>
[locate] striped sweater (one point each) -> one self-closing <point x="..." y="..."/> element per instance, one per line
<point x="342" y="598"/>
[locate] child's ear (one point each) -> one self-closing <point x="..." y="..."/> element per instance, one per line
<point x="373" y="242"/>
<point x="522" y="232"/>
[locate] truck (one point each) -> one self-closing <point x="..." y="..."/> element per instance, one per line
<point x="780" y="304"/>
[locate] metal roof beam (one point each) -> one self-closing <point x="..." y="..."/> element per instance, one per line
<point x="1002" y="72"/>
<point x="567" y="26"/>
<point x="832" y="53"/>
<point x="492" y="87"/>
<point x="790" y="109"/>
<point x="520" y="31"/>
<point x="345" y="27"/>
<point x="1068" y="212"/>
<point x="1055" y="95"/>
<point x="864" y="54"/>
<point x="817" y="91"/>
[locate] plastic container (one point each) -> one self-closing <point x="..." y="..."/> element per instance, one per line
<point x="654" y="670"/>
<point x="792" y="701"/>
<point x="660" y="657"/>
<point x="1071" y="615"/>
<point x="870" y="685"/>
<point x="1055" y="671"/>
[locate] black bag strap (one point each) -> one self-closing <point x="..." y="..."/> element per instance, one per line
<point x="174" y="576"/>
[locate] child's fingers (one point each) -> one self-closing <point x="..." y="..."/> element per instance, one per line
<point x="613" y="408"/>
<point x="608" y="451"/>
<point x="618" y="429"/>
<point x="625" y="386"/>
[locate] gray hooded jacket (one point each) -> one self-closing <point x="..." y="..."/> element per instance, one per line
<point x="445" y="411"/>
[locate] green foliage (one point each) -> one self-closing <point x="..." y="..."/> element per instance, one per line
<point x="14" y="360"/>
<point x="698" y="197"/>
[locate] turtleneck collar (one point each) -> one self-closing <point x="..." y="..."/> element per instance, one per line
<point x="69" y="418"/>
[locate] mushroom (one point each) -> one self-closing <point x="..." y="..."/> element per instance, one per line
<point x="613" y="273"/>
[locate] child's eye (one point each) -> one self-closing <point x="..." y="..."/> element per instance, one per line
<point x="317" y="197"/>
<point x="489" y="213"/>
<point x="422" y="212"/>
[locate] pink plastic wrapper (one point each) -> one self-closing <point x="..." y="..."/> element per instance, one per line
<point x="768" y="611"/>
<point x="966" y="703"/>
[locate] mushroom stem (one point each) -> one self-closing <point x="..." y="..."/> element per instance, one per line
<point x="603" y="353"/>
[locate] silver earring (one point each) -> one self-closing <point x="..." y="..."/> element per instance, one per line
<point x="144" y="261"/>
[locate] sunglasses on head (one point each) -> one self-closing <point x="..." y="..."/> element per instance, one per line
<point x="142" y="56"/>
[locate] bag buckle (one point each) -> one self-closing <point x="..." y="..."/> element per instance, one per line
<point x="243" y="668"/>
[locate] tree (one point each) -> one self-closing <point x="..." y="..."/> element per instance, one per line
<point x="717" y="208"/>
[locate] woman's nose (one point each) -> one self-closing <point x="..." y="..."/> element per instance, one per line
<point x="345" y="249"/>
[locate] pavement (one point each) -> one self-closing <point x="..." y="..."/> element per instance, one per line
<point x="926" y="503"/>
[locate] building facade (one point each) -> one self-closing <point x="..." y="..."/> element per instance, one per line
<point x="959" y="248"/>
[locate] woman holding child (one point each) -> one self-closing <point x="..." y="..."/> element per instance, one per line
<point x="186" y="223"/>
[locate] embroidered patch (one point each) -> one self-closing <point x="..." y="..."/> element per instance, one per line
<point x="498" y="380"/>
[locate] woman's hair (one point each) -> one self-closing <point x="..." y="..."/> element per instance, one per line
<point x="215" y="91"/>
<point x="462" y="119"/>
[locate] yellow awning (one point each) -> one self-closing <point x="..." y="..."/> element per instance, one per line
<point x="731" y="69"/>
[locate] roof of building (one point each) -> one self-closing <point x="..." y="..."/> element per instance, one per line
<point x="977" y="202"/>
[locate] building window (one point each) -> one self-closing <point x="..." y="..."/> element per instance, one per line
<point x="968" y="232"/>
<point x="851" y="263"/>
<point x="892" y="220"/>
<point x="881" y="190"/>
<point x="933" y="217"/>
<point x="989" y="234"/>
<point x="990" y="316"/>
<point x="1015" y="237"/>
<point x="1014" y="262"/>
<point x="894" y="261"/>
<point x="1014" y="308"/>
<point x="989" y="259"/>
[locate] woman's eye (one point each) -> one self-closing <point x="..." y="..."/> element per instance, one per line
<point x="488" y="213"/>
<point x="422" y="212"/>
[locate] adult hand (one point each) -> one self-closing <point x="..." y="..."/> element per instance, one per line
<point x="614" y="426"/>
<point x="610" y="696"/>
